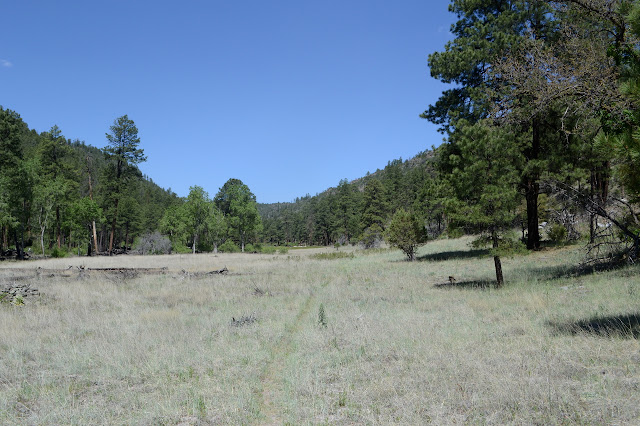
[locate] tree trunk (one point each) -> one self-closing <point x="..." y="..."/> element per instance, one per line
<point x="113" y="226"/>
<point x="93" y="222"/>
<point x="532" y="189"/>
<point x="533" y="238"/>
<point x="497" y="262"/>
<point x="42" y="229"/>
<point x="19" y="253"/>
<point x="58" y="232"/>
<point x="499" y="278"/>
<point x="195" y="239"/>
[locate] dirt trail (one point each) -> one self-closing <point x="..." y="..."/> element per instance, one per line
<point x="271" y="379"/>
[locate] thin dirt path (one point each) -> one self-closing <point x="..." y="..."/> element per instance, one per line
<point x="271" y="379"/>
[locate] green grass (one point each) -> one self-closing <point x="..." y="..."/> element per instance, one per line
<point x="556" y="345"/>
<point x="333" y="255"/>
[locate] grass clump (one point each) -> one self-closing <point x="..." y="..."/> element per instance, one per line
<point x="322" y="316"/>
<point x="333" y="255"/>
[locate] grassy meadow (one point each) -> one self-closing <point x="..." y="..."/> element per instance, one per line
<point x="556" y="345"/>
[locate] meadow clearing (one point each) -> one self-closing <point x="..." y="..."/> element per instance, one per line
<point x="556" y="345"/>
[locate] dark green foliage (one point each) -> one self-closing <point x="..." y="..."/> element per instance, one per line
<point x="375" y="206"/>
<point x="58" y="253"/>
<point x="354" y="212"/>
<point x="486" y="32"/>
<point x="47" y="185"/>
<point x="557" y="233"/>
<point x="371" y="237"/>
<point x="406" y="232"/>
<point x="268" y="250"/>
<point x="484" y="186"/>
<point x="123" y="152"/>
<point x="16" y="181"/>
<point x="229" y="247"/>
<point x="238" y="204"/>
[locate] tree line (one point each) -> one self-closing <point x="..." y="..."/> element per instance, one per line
<point x="541" y="125"/>
<point x="59" y="196"/>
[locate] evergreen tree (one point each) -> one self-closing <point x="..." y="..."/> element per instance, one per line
<point x="406" y="232"/>
<point x="56" y="179"/>
<point x="15" y="181"/>
<point x="123" y="151"/>
<point x="485" y="32"/>
<point x="375" y="210"/>
<point x="484" y="183"/>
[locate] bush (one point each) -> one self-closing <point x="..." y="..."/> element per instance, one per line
<point x="58" y="252"/>
<point x="153" y="243"/>
<point x="406" y="232"/>
<point x="557" y="233"/>
<point x="371" y="237"/>
<point x="268" y="249"/>
<point x="229" y="247"/>
<point x="332" y="255"/>
<point x="250" y="248"/>
<point x="283" y="250"/>
<point x="180" y="248"/>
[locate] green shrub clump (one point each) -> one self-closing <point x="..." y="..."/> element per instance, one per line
<point x="333" y="255"/>
<point x="557" y="233"/>
<point x="58" y="253"/>
<point x="229" y="247"/>
<point x="268" y="249"/>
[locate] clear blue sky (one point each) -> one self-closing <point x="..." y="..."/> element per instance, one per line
<point x="288" y="96"/>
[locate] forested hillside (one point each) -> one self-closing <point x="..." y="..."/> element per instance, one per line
<point x="55" y="191"/>
<point x="542" y="127"/>
<point x="357" y="211"/>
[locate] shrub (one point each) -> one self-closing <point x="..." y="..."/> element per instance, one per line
<point x="333" y="255"/>
<point x="322" y="316"/>
<point x="371" y="237"/>
<point x="283" y="250"/>
<point x="268" y="249"/>
<point x="153" y="243"/>
<point x="229" y="247"/>
<point x="406" y="233"/>
<point x="180" y="248"/>
<point x="250" y="248"/>
<point x="557" y="233"/>
<point x="58" y="252"/>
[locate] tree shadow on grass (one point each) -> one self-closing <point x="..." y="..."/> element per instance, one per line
<point x="452" y="255"/>
<point x="473" y="284"/>
<point x="622" y="326"/>
<point x="575" y="271"/>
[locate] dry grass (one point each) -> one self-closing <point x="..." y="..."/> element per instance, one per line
<point x="246" y="348"/>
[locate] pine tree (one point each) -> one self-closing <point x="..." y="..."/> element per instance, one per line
<point x="123" y="151"/>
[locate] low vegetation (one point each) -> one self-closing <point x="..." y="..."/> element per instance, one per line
<point x="285" y="339"/>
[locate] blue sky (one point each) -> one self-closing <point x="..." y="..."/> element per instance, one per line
<point x="288" y="96"/>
